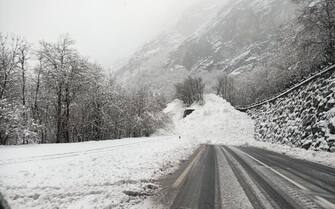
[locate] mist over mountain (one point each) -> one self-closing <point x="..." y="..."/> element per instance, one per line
<point x="214" y="39"/>
<point x="150" y="65"/>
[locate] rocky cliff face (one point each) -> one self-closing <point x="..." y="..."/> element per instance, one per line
<point x="234" y="38"/>
<point x="304" y="118"/>
<point x="239" y="33"/>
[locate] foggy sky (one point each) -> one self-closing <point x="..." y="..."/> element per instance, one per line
<point x="104" y="30"/>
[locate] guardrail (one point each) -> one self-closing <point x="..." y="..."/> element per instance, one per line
<point x="326" y="70"/>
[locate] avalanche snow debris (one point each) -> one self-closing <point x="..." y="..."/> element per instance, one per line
<point x="215" y="122"/>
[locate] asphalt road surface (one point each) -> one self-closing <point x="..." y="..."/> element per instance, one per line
<point x="221" y="177"/>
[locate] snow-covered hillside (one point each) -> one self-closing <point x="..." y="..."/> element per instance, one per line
<point x="237" y="38"/>
<point x="150" y="65"/>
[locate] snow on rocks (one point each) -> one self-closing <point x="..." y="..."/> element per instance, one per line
<point x="304" y="118"/>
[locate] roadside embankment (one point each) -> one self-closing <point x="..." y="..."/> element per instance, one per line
<point x="304" y="117"/>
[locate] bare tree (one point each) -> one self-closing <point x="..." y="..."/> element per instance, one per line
<point x="221" y="86"/>
<point x="8" y="61"/>
<point x="190" y="90"/>
<point x="23" y="57"/>
<point x="316" y="38"/>
<point x="67" y="98"/>
<point x="57" y="59"/>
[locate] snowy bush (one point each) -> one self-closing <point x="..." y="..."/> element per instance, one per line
<point x="16" y="126"/>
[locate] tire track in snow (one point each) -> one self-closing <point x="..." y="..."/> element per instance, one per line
<point x="70" y="154"/>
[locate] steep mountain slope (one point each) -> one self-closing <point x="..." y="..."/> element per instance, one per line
<point x="148" y="66"/>
<point x="242" y="29"/>
<point x="237" y="40"/>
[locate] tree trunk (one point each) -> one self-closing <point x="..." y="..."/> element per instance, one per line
<point x="36" y="93"/>
<point x="67" y="119"/>
<point x="59" y="114"/>
<point x="45" y="130"/>
<point x="3" y="87"/>
<point x="23" y="74"/>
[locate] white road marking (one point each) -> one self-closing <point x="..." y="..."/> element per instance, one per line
<point x="183" y="175"/>
<point x="322" y="201"/>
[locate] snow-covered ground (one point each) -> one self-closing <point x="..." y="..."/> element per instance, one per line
<point x="87" y="175"/>
<point x="103" y="174"/>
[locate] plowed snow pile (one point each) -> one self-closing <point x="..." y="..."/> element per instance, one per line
<point x="216" y="122"/>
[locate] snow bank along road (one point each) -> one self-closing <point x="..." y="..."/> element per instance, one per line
<point x="246" y="177"/>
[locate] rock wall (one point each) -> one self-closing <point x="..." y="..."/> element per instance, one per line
<point x="303" y="118"/>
